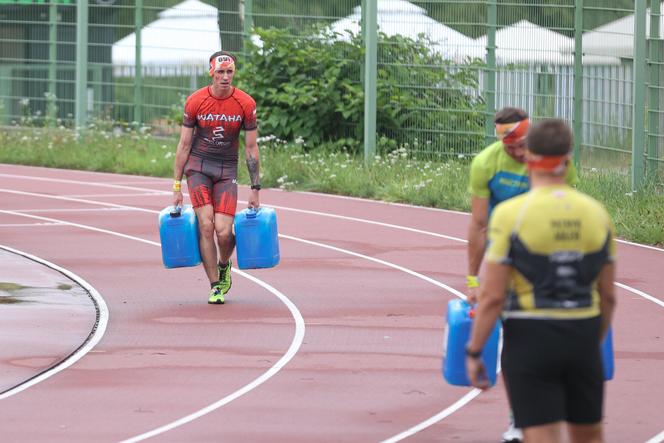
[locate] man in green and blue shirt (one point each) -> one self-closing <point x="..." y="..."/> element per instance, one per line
<point x="498" y="173"/>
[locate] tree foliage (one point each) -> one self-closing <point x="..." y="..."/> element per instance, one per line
<point x="308" y="86"/>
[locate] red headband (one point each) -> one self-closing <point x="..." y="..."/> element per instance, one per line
<point x="512" y="133"/>
<point x="549" y="163"/>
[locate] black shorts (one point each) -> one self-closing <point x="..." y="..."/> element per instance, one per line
<point x="553" y="371"/>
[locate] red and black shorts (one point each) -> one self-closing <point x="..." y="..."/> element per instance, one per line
<point x="553" y="370"/>
<point x="212" y="182"/>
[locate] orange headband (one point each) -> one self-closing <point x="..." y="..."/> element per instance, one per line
<point x="511" y="133"/>
<point x="221" y="62"/>
<point x="549" y="163"/>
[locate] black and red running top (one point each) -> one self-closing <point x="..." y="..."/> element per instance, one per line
<point x="218" y="121"/>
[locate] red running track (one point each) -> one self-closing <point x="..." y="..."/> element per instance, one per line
<point x="339" y="343"/>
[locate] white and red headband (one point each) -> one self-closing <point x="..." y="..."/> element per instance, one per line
<point x="221" y="62"/>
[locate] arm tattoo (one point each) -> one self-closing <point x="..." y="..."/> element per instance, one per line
<point x="252" y="166"/>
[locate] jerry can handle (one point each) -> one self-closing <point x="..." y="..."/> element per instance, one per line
<point x="176" y="212"/>
<point x="252" y="212"/>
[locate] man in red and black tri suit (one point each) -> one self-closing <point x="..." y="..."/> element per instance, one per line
<point x="207" y="154"/>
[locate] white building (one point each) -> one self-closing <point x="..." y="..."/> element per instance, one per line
<point x="185" y="34"/>
<point x="617" y="37"/>
<point x="527" y="43"/>
<point x="400" y="17"/>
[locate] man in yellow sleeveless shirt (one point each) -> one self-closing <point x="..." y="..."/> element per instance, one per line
<point x="550" y="270"/>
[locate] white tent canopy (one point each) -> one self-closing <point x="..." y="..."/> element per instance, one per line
<point x="616" y="38"/>
<point x="400" y="17"/>
<point x="526" y="43"/>
<point x="186" y="34"/>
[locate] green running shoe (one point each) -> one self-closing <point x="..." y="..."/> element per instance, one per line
<point x="225" y="280"/>
<point x="216" y="296"/>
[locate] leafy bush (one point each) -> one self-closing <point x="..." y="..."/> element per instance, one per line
<point x="309" y="86"/>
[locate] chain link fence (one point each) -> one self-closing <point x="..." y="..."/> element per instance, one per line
<point x="443" y="68"/>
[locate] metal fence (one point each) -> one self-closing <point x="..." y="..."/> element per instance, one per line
<point x="595" y="63"/>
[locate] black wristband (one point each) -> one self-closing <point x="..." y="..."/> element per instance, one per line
<point x="472" y="354"/>
<point x="256" y="187"/>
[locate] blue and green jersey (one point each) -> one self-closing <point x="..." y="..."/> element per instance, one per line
<point x="497" y="176"/>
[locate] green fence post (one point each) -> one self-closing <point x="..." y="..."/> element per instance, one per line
<point x="577" y="122"/>
<point x="51" y="109"/>
<point x="248" y="22"/>
<point x="138" y="68"/>
<point x="81" y="94"/>
<point x="654" y="91"/>
<point x="5" y="93"/>
<point x="490" y="71"/>
<point x="638" y="110"/>
<point x="370" y="79"/>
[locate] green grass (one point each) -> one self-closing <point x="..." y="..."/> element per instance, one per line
<point x="392" y="177"/>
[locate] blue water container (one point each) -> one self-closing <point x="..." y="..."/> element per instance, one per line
<point x="257" y="238"/>
<point x="457" y="335"/>
<point x="607" y="355"/>
<point x="178" y="231"/>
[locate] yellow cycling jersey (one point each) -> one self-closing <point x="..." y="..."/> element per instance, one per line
<point x="556" y="241"/>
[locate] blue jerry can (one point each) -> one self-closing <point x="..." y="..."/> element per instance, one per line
<point x="457" y="334"/>
<point x="256" y="238"/>
<point x="178" y="232"/>
<point x="607" y="355"/>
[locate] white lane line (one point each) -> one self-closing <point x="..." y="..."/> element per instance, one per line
<point x="31" y="225"/>
<point x="78" y="200"/>
<point x="368" y="201"/>
<point x="91" y="342"/>
<point x="641" y="293"/>
<point x="298" y="337"/>
<point x="659" y="438"/>
<point x="382" y="262"/>
<point x="448" y="237"/>
<point x="653" y="248"/>
<point x="292" y="350"/>
<point x="82" y="182"/>
<point x="436" y="418"/>
<point x="133" y="194"/>
<point x="651" y="298"/>
<point x="420" y="231"/>
<point x="44" y="211"/>
<point x="371" y="222"/>
<point x="157" y="192"/>
<point x="78" y="225"/>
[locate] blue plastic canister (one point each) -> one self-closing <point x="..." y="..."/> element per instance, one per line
<point x="178" y="231"/>
<point x="607" y="355"/>
<point x="257" y="238"/>
<point x="457" y="334"/>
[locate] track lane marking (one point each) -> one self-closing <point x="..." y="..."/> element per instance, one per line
<point x="157" y="192"/>
<point x="298" y="336"/>
<point x="96" y="334"/>
<point x="379" y="261"/>
<point x="657" y="438"/>
<point x="635" y="291"/>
